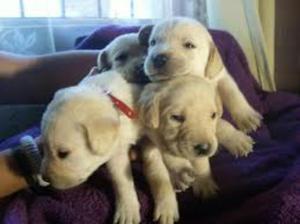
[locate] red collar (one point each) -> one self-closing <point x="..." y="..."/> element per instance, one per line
<point x="122" y="106"/>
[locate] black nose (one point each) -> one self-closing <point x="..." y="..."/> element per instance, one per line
<point x="46" y="178"/>
<point x="202" y="149"/>
<point x="159" y="60"/>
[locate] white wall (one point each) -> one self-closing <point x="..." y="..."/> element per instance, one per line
<point x="267" y="16"/>
<point x="230" y="16"/>
<point x="258" y="42"/>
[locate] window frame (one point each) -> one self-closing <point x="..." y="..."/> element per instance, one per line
<point x="64" y="14"/>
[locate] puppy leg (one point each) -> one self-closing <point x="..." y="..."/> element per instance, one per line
<point x="127" y="204"/>
<point x="181" y="172"/>
<point x="204" y="184"/>
<point x="245" y="116"/>
<point x="166" y="207"/>
<point x="235" y="141"/>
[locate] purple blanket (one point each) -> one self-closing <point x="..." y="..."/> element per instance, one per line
<point x="262" y="188"/>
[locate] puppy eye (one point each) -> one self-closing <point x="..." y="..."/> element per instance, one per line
<point x="213" y="115"/>
<point x="122" y="57"/>
<point x="152" y="42"/>
<point x="178" y="118"/>
<point x="63" y="154"/>
<point x="189" y="45"/>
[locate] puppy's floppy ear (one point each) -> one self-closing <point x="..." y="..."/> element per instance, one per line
<point x="144" y="35"/>
<point x="149" y="103"/>
<point x="103" y="62"/>
<point x="219" y="105"/>
<point x="100" y="133"/>
<point x="214" y="63"/>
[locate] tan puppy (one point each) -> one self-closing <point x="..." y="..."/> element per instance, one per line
<point x="126" y="55"/>
<point x="182" y="47"/>
<point x="182" y="117"/>
<point x="82" y="129"/>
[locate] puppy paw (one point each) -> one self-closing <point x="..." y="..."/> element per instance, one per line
<point x="127" y="212"/>
<point x="240" y="145"/>
<point x="182" y="178"/>
<point x="166" y="211"/>
<point x="205" y="187"/>
<point x="247" y="120"/>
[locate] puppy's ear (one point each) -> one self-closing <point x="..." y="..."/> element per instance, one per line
<point x="100" y="134"/>
<point x="144" y="35"/>
<point x="149" y="103"/>
<point x="219" y="105"/>
<point x="103" y="62"/>
<point x="214" y="64"/>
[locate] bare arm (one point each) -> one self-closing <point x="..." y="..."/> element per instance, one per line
<point x="35" y="79"/>
<point x="11" y="181"/>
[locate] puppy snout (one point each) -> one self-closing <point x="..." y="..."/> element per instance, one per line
<point x="46" y="178"/>
<point x="160" y="60"/>
<point x="202" y="149"/>
<point x="45" y="173"/>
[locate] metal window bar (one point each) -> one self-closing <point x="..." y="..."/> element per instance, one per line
<point x="22" y="11"/>
<point x="63" y="8"/>
<point x="131" y="8"/>
<point x="99" y="5"/>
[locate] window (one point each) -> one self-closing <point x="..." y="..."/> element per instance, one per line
<point x="83" y="8"/>
<point x="35" y="27"/>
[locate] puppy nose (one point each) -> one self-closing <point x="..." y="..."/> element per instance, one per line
<point x="202" y="149"/>
<point x="159" y="60"/>
<point x="46" y="178"/>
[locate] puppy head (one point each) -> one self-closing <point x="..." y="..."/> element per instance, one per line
<point x="178" y="47"/>
<point x="79" y="129"/>
<point x="125" y="55"/>
<point x="181" y="115"/>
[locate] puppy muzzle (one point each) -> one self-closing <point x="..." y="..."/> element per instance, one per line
<point x="159" y="60"/>
<point x="202" y="149"/>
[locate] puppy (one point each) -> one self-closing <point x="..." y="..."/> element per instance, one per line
<point x="84" y="127"/>
<point x="182" y="116"/>
<point x="183" y="47"/>
<point x="125" y="55"/>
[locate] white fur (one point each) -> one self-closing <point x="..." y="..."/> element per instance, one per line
<point x="170" y="37"/>
<point x="195" y="99"/>
<point x="84" y="121"/>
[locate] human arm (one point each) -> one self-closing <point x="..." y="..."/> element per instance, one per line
<point x="11" y="180"/>
<point x="34" y="79"/>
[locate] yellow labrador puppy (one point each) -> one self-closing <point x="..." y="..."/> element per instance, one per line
<point x="82" y="127"/>
<point x="88" y="125"/>
<point x="182" y="117"/>
<point x="183" y="46"/>
<point x="125" y="55"/>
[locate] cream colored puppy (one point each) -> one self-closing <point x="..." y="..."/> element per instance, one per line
<point x="182" y="46"/>
<point x="126" y="55"/>
<point x="182" y="117"/>
<point x="83" y="128"/>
